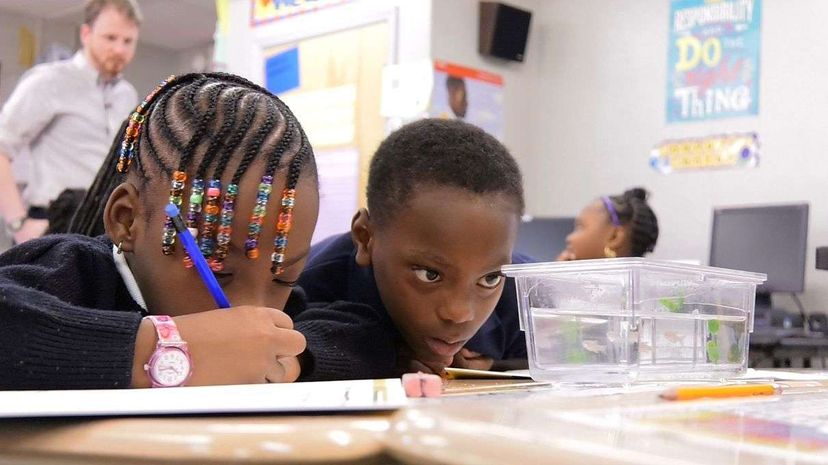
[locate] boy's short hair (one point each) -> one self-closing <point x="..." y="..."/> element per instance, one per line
<point x="438" y="152"/>
<point x="128" y="8"/>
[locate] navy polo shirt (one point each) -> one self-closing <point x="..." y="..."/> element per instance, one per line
<point x="332" y="274"/>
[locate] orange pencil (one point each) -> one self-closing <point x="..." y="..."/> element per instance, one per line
<point x="730" y="390"/>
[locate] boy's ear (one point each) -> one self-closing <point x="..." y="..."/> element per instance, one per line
<point x="120" y="214"/>
<point x="362" y="233"/>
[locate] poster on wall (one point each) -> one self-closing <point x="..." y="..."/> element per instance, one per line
<point x="328" y="116"/>
<point x="282" y="71"/>
<point x="713" y="59"/>
<point x="338" y="171"/>
<point x="469" y="94"/>
<point x="266" y="11"/>
<point x="711" y="152"/>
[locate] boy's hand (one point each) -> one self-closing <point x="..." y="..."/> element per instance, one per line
<point x="241" y="345"/>
<point x="472" y="360"/>
<point x="566" y="256"/>
<point x="407" y="363"/>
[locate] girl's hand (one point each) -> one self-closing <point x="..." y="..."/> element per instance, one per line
<point x="240" y="345"/>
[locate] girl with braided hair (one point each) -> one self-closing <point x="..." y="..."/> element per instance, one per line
<point x="613" y="226"/>
<point x="127" y="309"/>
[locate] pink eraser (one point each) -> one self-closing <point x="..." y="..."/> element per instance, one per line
<point x="422" y="385"/>
<point x="411" y="384"/>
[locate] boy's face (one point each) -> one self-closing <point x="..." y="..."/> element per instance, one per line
<point x="593" y="231"/>
<point x="437" y="266"/>
<point x="171" y="289"/>
<point x="457" y="100"/>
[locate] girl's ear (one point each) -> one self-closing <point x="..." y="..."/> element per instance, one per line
<point x="362" y="233"/>
<point x="120" y="216"/>
<point x="618" y="240"/>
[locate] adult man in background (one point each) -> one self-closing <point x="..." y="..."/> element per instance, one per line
<point x="67" y="113"/>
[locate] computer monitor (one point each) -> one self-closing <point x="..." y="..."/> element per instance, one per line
<point x="768" y="239"/>
<point x="544" y="238"/>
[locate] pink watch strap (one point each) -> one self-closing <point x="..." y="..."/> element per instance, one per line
<point x="169" y="342"/>
<point x="165" y="328"/>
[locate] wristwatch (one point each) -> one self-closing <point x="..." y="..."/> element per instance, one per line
<point x="170" y="364"/>
<point x="16" y="225"/>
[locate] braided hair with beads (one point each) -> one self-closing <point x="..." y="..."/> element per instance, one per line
<point x="196" y="127"/>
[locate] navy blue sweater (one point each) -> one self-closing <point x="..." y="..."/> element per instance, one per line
<point x="67" y="321"/>
<point x="333" y="274"/>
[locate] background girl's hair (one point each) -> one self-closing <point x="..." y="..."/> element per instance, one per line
<point x="633" y="209"/>
<point x="203" y="124"/>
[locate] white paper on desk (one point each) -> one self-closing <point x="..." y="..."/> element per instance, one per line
<point x="467" y="373"/>
<point x="780" y="375"/>
<point x="323" y="396"/>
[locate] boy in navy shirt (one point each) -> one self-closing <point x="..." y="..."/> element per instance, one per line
<point x="444" y="204"/>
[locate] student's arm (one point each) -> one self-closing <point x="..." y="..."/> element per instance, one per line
<point x="46" y="343"/>
<point x="67" y="321"/>
<point x="344" y="341"/>
<point x="54" y="331"/>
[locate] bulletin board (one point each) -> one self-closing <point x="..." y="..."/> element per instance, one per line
<point x="331" y="83"/>
<point x="267" y="11"/>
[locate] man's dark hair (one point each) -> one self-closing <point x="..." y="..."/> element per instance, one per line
<point x="438" y="152"/>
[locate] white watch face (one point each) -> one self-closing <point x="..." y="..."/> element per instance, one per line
<point x="171" y="368"/>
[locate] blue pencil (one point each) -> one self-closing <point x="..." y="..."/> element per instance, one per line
<point x="195" y="255"/>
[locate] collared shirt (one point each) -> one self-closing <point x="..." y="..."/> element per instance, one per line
<point x="67" y="116"/>
<point x="129" y="279"/>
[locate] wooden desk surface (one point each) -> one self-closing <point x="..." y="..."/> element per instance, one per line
<point x="636" y="427"/>
<point x="477" y="422"/>
<point x="340" y="439"/>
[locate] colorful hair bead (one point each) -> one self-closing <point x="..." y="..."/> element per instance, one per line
<point x="225" y="227"/>
<point x="283" y="226"/>
<point x="133" y="130"/>
<point x="177" y="188"/>
<point x="254" y="228"/>
<point x="211" y="214"/>
<point x="193" y="213"/>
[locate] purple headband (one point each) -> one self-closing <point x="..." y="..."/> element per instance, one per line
<point x="611" y="209"/>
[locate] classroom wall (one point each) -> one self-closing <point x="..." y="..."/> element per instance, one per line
<point x="585" y="109"/>
<point x="601" y="99"/>
<point x="10" y="67"/>
<point x="150" y="65"/>
<point x="454" y="29"/>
